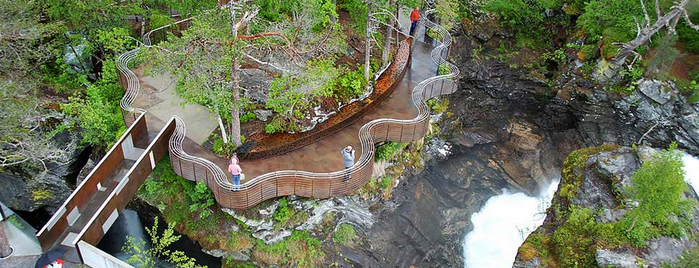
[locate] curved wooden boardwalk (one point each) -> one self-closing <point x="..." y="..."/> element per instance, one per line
<point x="297" y="182"/>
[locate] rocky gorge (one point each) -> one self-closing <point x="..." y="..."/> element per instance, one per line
<point x="504" y="130"/>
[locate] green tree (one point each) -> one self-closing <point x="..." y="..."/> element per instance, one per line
<point x="25" y="45"/>
<point x="658" y="186"/>
<point x="158" y="253"/>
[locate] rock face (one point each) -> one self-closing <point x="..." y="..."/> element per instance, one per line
<point x="29" y="186"/>
<point x="601" y="175"/>
<point x="654" y="114"/>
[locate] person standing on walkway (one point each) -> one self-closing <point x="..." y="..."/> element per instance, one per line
<point x="414" y="17"/>
<point x="347" y="160"/>
<point x="235" y="171"/>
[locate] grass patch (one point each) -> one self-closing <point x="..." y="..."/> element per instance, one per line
<point x="345" y="235"/>
<point x="388" y="150"/>
<point x="298" y="250"/>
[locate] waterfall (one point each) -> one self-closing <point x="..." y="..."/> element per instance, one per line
<point x="691" y="169"/>
<point x="501" y="226"/>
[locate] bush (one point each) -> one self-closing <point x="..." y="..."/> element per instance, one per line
<point x="345" y="235"/>
<point x="658" y="186"/>
<point x="350" y="85"/>
<point x="283" y="213"/>
<point x="299" y="250"/>
<point x="588" y="52"/>
<point x="388" y="150"/>
<point x="524" y="17"/>
<point x="98" y="109"/>
<point x="247" y="117"/>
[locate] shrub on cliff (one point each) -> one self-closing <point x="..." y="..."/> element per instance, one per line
<point x="658" y="187"/>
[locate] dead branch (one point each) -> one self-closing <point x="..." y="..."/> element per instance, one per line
<point x="644" y="34"/>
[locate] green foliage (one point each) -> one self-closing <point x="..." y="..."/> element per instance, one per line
<point x="693" y="91"/>
<point x="298" y="250"/>
<point x="660" y="64"/>
<point x="98" y="109"/>
<point x="345" y="235"/>
<point x="576" y="240"/>
<point x="526" y="17"/>
<point x="574" y="167"/>
<point x="247" y="117"/>
<point x="386" y="183"/>
<point x="443" y="69"/>
<point x="142" y="256"/>
<point x="438" y="106"/>
<point x="689" y="258"/>
<point x="388" y="150"/>
<point x="688" y="36"/>
<point x="588" y="52"/>
<point x="202" y="197"/>
<point x="351" y="84"/>
<point x="283" y="213"/>
<point x="658" y="186"/>
<point x="277" y="125"/>
<point x="446" y="12"/>
<point x="358" y="12"/>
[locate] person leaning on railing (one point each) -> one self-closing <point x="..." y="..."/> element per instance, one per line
<point x="235" y="171"/>
<point x="347" y="160"/>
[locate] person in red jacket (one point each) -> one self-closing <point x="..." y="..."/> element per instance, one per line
<point x="414" y="17"/>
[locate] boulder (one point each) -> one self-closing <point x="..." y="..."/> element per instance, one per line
<point x="262" y="115"/>
<point x="611" y="259"/>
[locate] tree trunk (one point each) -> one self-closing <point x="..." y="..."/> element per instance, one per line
<point x="235" y="88"/>
<point x="4" y="243"/>
<point x="387" y="39"/>
<point x="645" y="33"/>
<point x="222" y="127"/>
<point x="367" y="48"/>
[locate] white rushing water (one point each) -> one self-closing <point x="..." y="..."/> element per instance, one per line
<point x="691" y="170"/>
<point x="502" y="225"/>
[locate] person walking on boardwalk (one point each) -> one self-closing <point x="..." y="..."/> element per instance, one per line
<point x="414" y="17"/>
<point x="235" y="171"/>
<point x="347" y="160"/>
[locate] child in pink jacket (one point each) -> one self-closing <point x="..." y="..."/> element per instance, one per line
<point x="235" y="171"/>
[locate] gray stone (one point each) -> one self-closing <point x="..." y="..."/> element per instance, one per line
<point x="239" y="256"/>
<point x="262" y="115"/>
<point x="608" y="258"/>
<point x="665" y="249"/>
<point x="85" y="171"/>
<point x="655" y="90"/>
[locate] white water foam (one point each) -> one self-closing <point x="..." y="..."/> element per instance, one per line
<point x="691" y="169"/>
<point x="501" y="226"/>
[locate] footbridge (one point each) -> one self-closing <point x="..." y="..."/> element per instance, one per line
<point x="94" y="206"/>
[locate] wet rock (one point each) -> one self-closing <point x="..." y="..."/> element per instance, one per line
<point x="262" y="115"/>
<point x="608" y="258"/>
